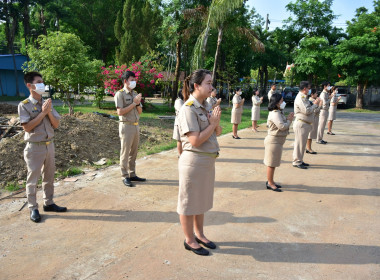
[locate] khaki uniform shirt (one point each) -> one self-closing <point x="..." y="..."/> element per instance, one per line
<point x="123" y="98"/>
<point x="28" y="110"/>
<point x="303" y="110"/>
<point x="334" y="99"/>
<point x="193" y="117"/>
<point x="325" y="100"/>
<point x="256" y="101"/>
<point x="277" y="123"/>
<point x="177" y="106"/>
<point x="270" y="93"/>
<point x="212" y="100"/>
<point x="237" y="100"/>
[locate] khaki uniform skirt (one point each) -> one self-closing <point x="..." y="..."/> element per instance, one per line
<point x="273" y="150"/>
<point x="255" y="113"/>
<point x="332" y="113"/>
<point x="176" y="134"/>
<point x="236" y="115"/>
<point x="314" y="130"/>
<point x="196" y="183"/>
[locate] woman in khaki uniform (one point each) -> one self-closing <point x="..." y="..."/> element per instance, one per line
<point x="236" y="113"/>
<point x="198" y="129"/>
<point x="314" y="130"/>
<point x="278" y="129"/>
<point x="176" y="136"/>
<point x="332" y="109"/>
<point x="256" y="101"/>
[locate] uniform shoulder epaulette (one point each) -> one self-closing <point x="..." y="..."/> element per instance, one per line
<point x="25" y="101"/>
<point x="189" y="103"/>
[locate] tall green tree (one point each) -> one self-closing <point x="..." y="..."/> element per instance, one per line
<point x="63" y="61"/>
<point x="136" y="29"/>
<point x="358" y="57"/>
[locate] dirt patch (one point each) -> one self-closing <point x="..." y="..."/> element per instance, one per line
<point x="81" y="139"/>
<point x="6" y="109"/>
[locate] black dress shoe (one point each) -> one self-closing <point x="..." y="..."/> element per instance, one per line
<point x="300" y="166"/>
<point x="210" y="245"/>
<point x="305" y="164"/>
<point x="35" y="216"/>
<point x="330" y="133"/>
<point x="128" y="182"/>
<point x="278" y="186"/>
<point x="236" y="137"/>
<point x="277" y="189"/>
<point x="311" y="152"/>
<point x="200" y="251"/>
<point x="321" y="142"/>
<point x="54" y="208"/>
<point x="137" y="178"/>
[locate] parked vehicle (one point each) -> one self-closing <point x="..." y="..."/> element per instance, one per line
<point x="290" y="94"/>
<point x="344" y="95"/>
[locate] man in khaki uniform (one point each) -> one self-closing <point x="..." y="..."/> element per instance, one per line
<point x="39" y="119"/>
<point x="129" y="108"/>
<point x="324" y="113"/>
<point x="304" y="113"/>
<point x="272" y="90"/>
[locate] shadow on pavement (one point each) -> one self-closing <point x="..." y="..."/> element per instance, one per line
<point x="326" y="253"/>
<point x="332" y="190"/>
<point x="103" y="215"/>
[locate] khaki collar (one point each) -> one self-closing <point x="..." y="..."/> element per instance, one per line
<point x="34" y="101"/>
<point x="196" y="102"/>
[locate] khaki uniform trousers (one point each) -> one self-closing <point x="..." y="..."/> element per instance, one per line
<point x="322" y="124"/>
<point x="129" y="139"/>
<point x="301" y="132"/>
<point x="39" y="158"/>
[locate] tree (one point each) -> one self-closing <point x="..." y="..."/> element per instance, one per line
<point x="312" y="57"/>
<point x="358" y="57"/>
<point x="135" y="29"/>
<point x="62" y="60"/>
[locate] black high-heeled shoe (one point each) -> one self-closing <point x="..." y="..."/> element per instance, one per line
<point x="277" y="189"/>
<point x="311" y="152"/>
<point x="210" y="245"/>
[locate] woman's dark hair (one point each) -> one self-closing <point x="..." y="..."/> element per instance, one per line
<point x="325" y="83"/>
<point x="126" y="75"/>
<point x="180" y="96"/>
<point x="274" y="99"/>
<point x="313" y="91"/>
<point x="29" y="77"/>
<point x="196" y="77"/>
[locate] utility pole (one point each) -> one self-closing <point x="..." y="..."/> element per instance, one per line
<point x="267" y="23"/>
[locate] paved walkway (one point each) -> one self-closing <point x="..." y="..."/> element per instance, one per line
<point x="325" y="225"/>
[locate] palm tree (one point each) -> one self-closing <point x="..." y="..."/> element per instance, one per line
<point x="218" y="14"/>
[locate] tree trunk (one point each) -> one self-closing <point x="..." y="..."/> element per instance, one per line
<point x="42" y="21"/>
<point x="361" y="88"/>
<point x="12" y="37"/>
<point x="177" y="70"/>
<point x="265" y="70"/>
<point x="220" y="37"/>
<point x="68" y="102"/>
<point x="26" y="21"/>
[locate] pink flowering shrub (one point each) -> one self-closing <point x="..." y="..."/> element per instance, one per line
<point x="146" y="76"/>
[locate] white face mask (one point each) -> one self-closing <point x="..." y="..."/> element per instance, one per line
<point x="40" y="88"/>
<point x="282" y="106"/>
<point x="329" y="87"/>
<point x="132" y="84"/>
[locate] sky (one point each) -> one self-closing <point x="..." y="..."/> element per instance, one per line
<point x="345" y="9"/>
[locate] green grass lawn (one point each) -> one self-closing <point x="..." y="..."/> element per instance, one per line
<point x="369" y="110"/>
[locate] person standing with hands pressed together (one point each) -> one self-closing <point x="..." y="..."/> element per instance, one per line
<point x="314" y="129"/>
<point x="304" y="112"/>
<point x="39" y="119"/>
<point x="212" y="100"/>
<point x="236" y="113"/>
<point x="278" y="130"/>
<point x="324" y="113"/>
<point x="196" y="165"/>
<point x="256" y="102"/>
<point x="332" y="110"/>
<point x="129" y="108"/>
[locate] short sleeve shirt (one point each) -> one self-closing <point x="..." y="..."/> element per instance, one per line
<point x="29" y="109"/>
<point x="193" y="117"/>
<point x="123" y="98"/>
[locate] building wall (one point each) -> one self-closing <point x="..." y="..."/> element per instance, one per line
<point x="8" y="83"/>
